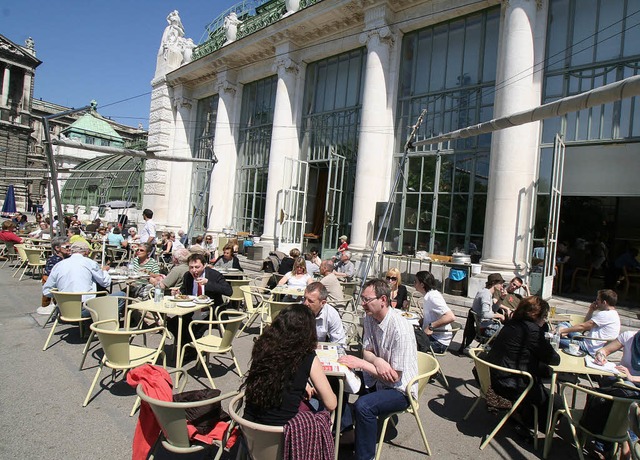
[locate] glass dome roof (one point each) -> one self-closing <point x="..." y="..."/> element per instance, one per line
<point x="124" y="181"/>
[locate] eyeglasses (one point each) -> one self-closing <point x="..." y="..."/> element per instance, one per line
<point x="364" y="300"/>
<point x="67" y="246"/>
<point x="392" y="278"/>
<point x="141" y="250"/>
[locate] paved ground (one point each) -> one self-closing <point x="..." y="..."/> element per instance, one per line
<point x="42" y="392"/>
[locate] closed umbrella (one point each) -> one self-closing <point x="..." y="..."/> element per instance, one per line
<point x="9" y="206"/>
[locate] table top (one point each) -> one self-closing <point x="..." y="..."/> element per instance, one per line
<point x="286" y="290"/>
<point x="167" y="307"/>
<point x="576" y="365"/>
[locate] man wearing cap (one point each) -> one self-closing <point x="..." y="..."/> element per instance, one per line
<point x="484" y="306"/>
<point x="78" y="273"/>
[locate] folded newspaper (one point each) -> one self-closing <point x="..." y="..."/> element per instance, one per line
<point x="608" y="366"/>
<point x="328" y="355"/>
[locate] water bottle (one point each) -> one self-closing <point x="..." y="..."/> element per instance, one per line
<point x="555" y="342"/>
<point x="158" y="295"/>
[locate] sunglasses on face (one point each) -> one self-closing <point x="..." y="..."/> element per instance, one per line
<point x="392" y="278"/>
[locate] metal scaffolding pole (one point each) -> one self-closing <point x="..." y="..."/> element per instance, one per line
<point x="629" y="87"/>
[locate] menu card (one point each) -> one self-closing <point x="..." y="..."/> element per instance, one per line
<point x="328" y="355"/>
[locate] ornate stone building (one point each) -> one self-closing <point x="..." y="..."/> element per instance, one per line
<point x="307" y="111"/>
<point x="17" y="147"/>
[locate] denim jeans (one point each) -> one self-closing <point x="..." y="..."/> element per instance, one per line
<point x="437" y="346"/>
<point x="367" y="409"/>
<point x="565" y="341"/>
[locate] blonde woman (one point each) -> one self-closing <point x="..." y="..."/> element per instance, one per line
<point x="399" y="296"/>
<point x="298" y="276"/>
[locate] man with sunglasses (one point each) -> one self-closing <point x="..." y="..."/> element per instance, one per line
<point x="389" y="362"/>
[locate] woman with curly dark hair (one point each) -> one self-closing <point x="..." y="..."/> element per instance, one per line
<point x="283" y="359"/>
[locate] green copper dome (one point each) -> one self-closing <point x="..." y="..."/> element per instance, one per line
<point x="91" y="128"/>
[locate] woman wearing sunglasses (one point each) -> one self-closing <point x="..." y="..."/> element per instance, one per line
<point x="399" y="296"/>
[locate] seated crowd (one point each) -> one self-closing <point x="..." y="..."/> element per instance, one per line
<point x="286" y="377"/>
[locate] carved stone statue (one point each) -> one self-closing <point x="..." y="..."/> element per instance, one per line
<point x="172" y="33"/>
<point x="292" y="7"/>
<point x="187" y="46"/>
<point x="231" y="24"/>
<point x="175" y="50"/>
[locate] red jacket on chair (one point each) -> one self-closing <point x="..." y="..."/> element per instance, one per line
<point x="156" y="383"/>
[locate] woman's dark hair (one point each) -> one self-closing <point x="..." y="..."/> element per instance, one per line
<point x="116" y="231"/>
<point x="277" y="354"/>
<point x="532" y="308"/>
<point x="427" y="280"/>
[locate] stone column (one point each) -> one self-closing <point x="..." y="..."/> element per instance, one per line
<point x="178" y="195"/>
<point x="222" y="191"/>
<point x="375" y="145"/>
<point x="284" y="137"/>
<point x="161" y="126"/>
<point x="515" y="151"/>
<point x="26" y="91"/>
<point x="4" y="93"/>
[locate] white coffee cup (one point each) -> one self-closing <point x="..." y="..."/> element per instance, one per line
<point x="574" y="348"/>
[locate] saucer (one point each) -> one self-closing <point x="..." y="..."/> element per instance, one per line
<point x="580" y="353"/>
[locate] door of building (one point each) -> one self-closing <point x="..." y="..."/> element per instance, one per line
<point x="555" y="200"/>
<point x="292" y="204"/>
<point x="333" y="212"/>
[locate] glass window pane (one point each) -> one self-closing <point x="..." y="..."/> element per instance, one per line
<point x="454" y="55"/>
<point x="609" y="40"/>
<point x="584" y="32"/>
<point x="439" y="58"/>
<point x="472" y="43"/>
<point x="444" y="209"/>
<point x="631" y="40"/>
<point x="423" y="64"/>
<point x="557" y="33"/>
<point x="491" y="45"/>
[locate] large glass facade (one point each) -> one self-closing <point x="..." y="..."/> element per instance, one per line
<point x="591" y="43"/>
<point x="256" y="124"/>
<point x="207" y="113"/>
<point x="331" y="120"/>
<point x="449" y="70"/>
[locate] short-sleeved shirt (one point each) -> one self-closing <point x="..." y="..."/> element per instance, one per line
<point x="51" y="261"/>
<point x="150" y="265"/>
<point x="510" y="301"/>
<point x="626" y="339"/>
<point x="148" y="231"/>
<point x="334" y="288"/>
<point x="434" y="306"/>
<point x="607" y="327"/>
<point x="394" y="341"/>
<point x="115" y="239"/>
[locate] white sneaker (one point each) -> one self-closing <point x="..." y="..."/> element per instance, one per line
<point x="46" y="310"/>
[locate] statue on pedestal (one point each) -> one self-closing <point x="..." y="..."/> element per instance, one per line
<point x="231" y="24"/>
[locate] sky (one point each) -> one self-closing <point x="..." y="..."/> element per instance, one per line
<point x="101" y="50"/>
